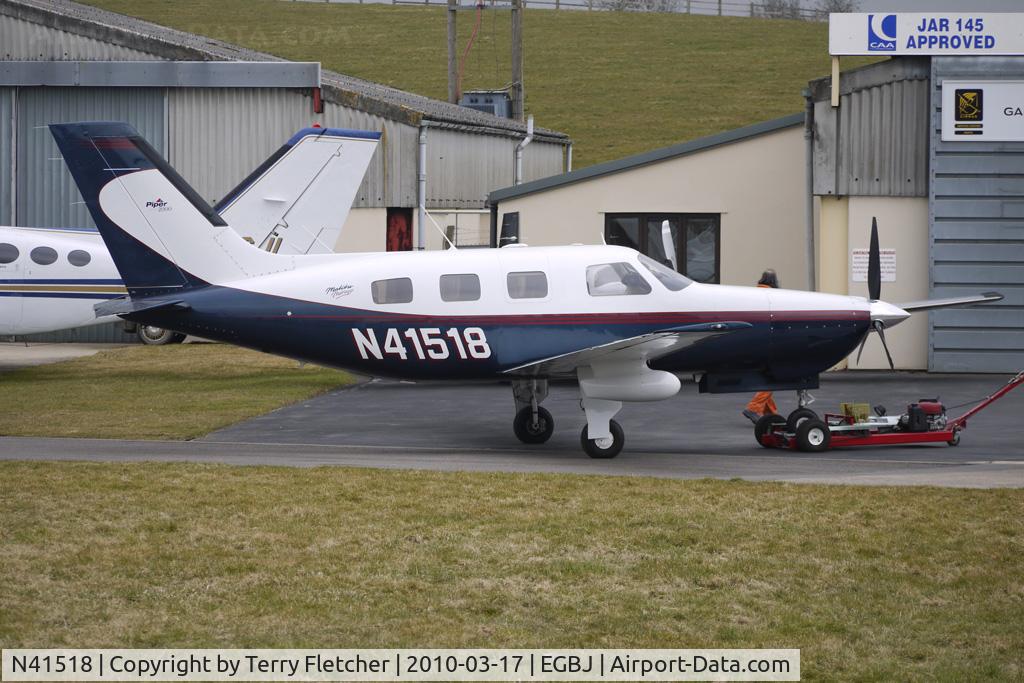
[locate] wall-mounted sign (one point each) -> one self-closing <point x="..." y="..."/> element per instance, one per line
<point x="983" y="110"/>
<point x="859" y="265"/>
<point x="935" y="33"/>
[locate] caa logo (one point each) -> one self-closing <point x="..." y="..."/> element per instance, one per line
<point x="882" y="32"/>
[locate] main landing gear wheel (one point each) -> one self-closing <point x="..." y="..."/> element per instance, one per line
<point x="529" y="431"/>
<point x="604" y="448"/>
<point x="765" y="424"/>
<point x="813" y="436"/>
<point x="158" y="336"/>
<point x="798" y="417"/>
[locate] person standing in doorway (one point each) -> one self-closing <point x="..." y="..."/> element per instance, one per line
<point x="763" y="403"/>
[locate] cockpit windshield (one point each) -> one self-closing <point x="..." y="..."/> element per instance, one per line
<point x="671" y="279"/>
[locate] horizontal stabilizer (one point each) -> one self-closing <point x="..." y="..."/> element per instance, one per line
<point x="126" y="305"/>
<point x="645" y="347"/>
<point x="930" y="304"/>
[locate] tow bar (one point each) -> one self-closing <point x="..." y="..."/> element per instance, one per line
<point x="924" y="422"/>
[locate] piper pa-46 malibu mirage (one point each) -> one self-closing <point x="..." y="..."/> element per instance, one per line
<point x="295" y="202"/>
<point x="623" y="325"/>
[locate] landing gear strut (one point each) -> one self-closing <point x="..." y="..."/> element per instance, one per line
<point x="532" y="424"/>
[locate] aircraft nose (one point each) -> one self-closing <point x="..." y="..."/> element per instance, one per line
<point x="887" y="313"/>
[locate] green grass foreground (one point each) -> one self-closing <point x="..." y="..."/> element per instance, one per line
<point x="619" y="83"/>
<point x="871" y="583"/>
<point x="179" y="391"/>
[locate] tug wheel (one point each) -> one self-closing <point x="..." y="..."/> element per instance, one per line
<point x="764" y="426"/>
<point x="532" y="432"/>
<point x="798" y="417"/>
<point x="813" y="436"/>
<point x="955" y="439"/>
<point x="604" y="450"/>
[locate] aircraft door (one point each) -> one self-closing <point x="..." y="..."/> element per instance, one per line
<point x="11" y="302"/>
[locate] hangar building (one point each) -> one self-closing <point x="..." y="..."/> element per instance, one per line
<point x="216" y="111"/>
<point x="950" y="213"/>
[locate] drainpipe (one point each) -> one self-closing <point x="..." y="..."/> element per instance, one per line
<point x="519" y="151"/>
<point x="421" y="189"/>
<point x="809" y="199"/>
<point x="568" y="158"/>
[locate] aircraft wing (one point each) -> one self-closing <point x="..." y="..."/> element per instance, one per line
<point x="297" y="201"/>
<point x="644" y="347"/>
<point x="930" y="304"/>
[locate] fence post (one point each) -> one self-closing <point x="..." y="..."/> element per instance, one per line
<point x="719" y="7"/>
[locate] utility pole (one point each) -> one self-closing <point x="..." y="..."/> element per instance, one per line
<point x="518" y="112"/>
<point x="453" y="64"/>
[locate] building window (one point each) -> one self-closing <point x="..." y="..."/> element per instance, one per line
<point x="687" y="242"/>
<point x="461" y="287"/>
<point x="615" y="279"/>
<point x="44" y="256"/>
<point x="78" y="257"/>
<point x="509" y="229"/>
<point x="395" y="291"/>
<point x="531" y="284"/>
<point x="8" y="253"/>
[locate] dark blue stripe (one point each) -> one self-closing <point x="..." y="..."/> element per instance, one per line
<point x="63" y="295"/>
<point x="338" y="132"/>
<point x="62" y="281"/>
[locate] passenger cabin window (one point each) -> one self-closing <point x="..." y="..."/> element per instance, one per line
<point x="615" y="279"/>
<point x="8" y="253"/>
<point x="44" y="256"/>
<point x="460" y="287"/>
<point x="671" y="279"/>
<point x="78" y="257"/>
<point x="531" y="284"/>
<point x="395" y="291"/>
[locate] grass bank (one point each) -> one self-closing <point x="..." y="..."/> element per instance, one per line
<point x="618" y="82"/>
<point x="871" y="583"/>
<point x="179" y="391"/>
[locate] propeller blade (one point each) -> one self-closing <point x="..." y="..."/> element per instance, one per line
<point x="880" y="328"/>
<point x="863" y="341"/>
<point x="931" y="304"/>
<point x="874" y="264"/>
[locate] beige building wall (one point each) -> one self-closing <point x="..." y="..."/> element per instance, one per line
<point x="364" y="230"/>
<point x="756" y="184"/>
<point x="903" y="226"/>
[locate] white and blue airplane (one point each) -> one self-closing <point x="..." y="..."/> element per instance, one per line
<point x="624" y="326"/>
<point x="295" y="202"/>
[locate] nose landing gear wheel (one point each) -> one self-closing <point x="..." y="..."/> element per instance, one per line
<point x="532" y="432"/>
<point x="604" y="448"/>
<point x="813" y="436"/>
<point x="798" y="417"/>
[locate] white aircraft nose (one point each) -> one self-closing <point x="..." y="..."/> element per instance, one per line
<point x="888" y="313"/>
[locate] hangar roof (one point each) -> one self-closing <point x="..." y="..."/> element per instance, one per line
<point x="349" y="91"/>
<point x="645" y="158"/>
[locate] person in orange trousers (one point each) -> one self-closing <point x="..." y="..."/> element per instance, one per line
<point x="763" y="403"/>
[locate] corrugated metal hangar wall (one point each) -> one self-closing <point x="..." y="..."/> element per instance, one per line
<point x="885" y="140"/>
<point x="976" y="233"/>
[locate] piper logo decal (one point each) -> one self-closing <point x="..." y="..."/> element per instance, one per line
<point x="158" y="204"/>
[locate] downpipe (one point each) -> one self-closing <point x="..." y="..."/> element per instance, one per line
<point x="421" y="190"/>
<point x="518" y="176"/>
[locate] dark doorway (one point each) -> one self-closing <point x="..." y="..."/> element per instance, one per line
<point x="399" y="235"/>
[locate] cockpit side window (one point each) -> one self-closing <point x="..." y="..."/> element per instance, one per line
<point x="615" y="279"/>
<point x="672" y="280"/>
